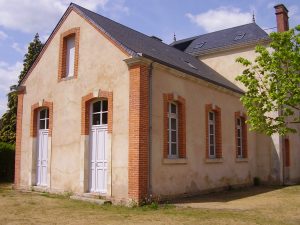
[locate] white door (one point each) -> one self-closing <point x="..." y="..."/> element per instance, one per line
<point x="42" y="152"/>
<point x="98" y="144"/>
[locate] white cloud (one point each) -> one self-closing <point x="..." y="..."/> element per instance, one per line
<point x="18" y="48"/>
<point x="38" y="16"/>
<point x="3" y="35"/>
<point x="220" y="18"/>
<point x="117" y="7"/>
<point x="8" y="77"/>
<point x="293" y="10"/>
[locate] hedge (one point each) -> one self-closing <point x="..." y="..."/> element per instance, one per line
<point x="7" y="162"/>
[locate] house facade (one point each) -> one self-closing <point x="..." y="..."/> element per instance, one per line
<point x="107" y="110"/>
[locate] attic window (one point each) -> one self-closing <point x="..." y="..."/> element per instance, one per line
<point x="190" y="64"/>
<point x="199" y="45"/>
<point x="239" y="36"/>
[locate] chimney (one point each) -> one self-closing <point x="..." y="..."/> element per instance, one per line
<point x="282" y="18"/>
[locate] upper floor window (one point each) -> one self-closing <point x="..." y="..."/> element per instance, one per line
<point x="100" y="112"/>
<point x="173" y="130"/>
<point x="68" y="54"/>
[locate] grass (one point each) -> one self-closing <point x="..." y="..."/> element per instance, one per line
<point x="257" y="205"/>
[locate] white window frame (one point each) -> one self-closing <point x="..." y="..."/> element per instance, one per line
<point x="212" y="136"/>
<point x="239" y="127"/>
<point x="70" y="56"/>
<point x="44" y="120"/>
<point x="170" y="117"/>
<point x="99" y="112"/>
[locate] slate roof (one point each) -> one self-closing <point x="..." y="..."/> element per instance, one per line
<point x="136" y="43"/>
<point x="248" y="33"/>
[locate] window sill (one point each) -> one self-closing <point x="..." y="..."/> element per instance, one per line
<point x="238" y="160"/>
<point x="175" y="161"/>
<point x="67" y="78"/>
<point x="216" y="160"/>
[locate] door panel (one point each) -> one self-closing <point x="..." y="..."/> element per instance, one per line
<point x="42" y="158"/>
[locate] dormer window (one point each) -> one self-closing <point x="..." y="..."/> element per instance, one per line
<point x="68" y="54"/>
<point x="239" y="36"/>
<point x="199" y="45"/>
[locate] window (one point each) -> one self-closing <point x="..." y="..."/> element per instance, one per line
<point x="173" y="130"/>
<point x="239" y="136"/>
<point x="44" y="119"/>
<point x="212" y="134"/>
<point x="70" y="56"/>
<point x="239" y="36"/>
<point x="99" y="112"/>
<point x="199" y="45"/>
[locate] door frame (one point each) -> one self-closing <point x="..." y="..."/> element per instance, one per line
<point x="107" y="147"/>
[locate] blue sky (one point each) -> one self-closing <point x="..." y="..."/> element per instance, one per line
<point x="21" y="19"/>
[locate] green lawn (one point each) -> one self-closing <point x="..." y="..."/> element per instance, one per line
<point x="258" y="205"/>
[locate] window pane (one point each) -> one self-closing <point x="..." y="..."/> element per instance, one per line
<point x="211" y="129"/>
<point x="173" y="136"/>
<point x="43" y="114"/>
<point x="239" y="151"/>
<point x="239" y="132"/>
<point x="96" y="119"/>
<point x="104" y="106"/>
<point x="70" y="58"/>
<point x="97" y="107"/>
<point x="238" y="121"/>
<point x="173" y="124"/>
<point x="173" y="108"/>
<point x="173" y="149"/>
<point x="104" y="118"/>
<point x="211" y="116"/>
<point x="239" y="141"/>
<point x="212" y="150"/>
<point x="42" y="124"/>
<point x="47" y="123"/>
<point x="211" y="139"/>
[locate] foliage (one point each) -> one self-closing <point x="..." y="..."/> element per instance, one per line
<point x="8" y="120"/>
<point x="272" y="81"/>
<point x="7" y="159"/>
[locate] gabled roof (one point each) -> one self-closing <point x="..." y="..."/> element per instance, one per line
<point x="137" y="44"/>
<point x="235" y="36"/>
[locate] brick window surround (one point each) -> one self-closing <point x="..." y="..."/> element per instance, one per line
<point x="218" y="127"/>
<point x="242" y="116"/>
<point x="18" y="139"/>
<point x="63" y="52"/>
<point x="287" y="157"/>
<point x="34" y="115"/>
<point x="167" y="98"/>
<point x="85" y="110"/>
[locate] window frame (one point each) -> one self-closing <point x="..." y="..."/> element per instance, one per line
<point x="213" y="123"/>
<point x="99" y="112"/>
<point x="68" y="64"/>
<point x="44" y="119"/>
<point x="170" y="130"/>
<point x="239" y="127"/>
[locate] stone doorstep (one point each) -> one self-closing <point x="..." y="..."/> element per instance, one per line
<point x="91" y="197"/>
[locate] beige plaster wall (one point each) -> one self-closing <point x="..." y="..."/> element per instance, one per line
<point x="293" y="172"/>
<point x="101" y="66"/>
<point x="197" y="174"/>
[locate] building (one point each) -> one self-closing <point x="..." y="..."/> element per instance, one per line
<point x="108" y="110"/>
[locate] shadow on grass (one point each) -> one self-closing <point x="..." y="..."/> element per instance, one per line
<point x="227" y="195"/>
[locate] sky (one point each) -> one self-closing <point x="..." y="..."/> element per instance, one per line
<point x="20" y="20"/>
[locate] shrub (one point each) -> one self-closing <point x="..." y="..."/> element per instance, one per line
<point x="7" y="162"/>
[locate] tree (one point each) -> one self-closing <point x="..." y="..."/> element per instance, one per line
<point x="8" y="120"/>
<point x="272" y="82"/>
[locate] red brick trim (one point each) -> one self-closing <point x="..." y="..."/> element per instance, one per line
<point x="34" y="115"/>
<point x="85" y="110"/>
<point x="18" y="140"/>
<point x="287" y="155"/>
<point x="63" y="52"/>
<point x="244" y="133"/>
<point x="217" y="110"/>
<point x="181" y="125"/>
<point x="138" y="158"/>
